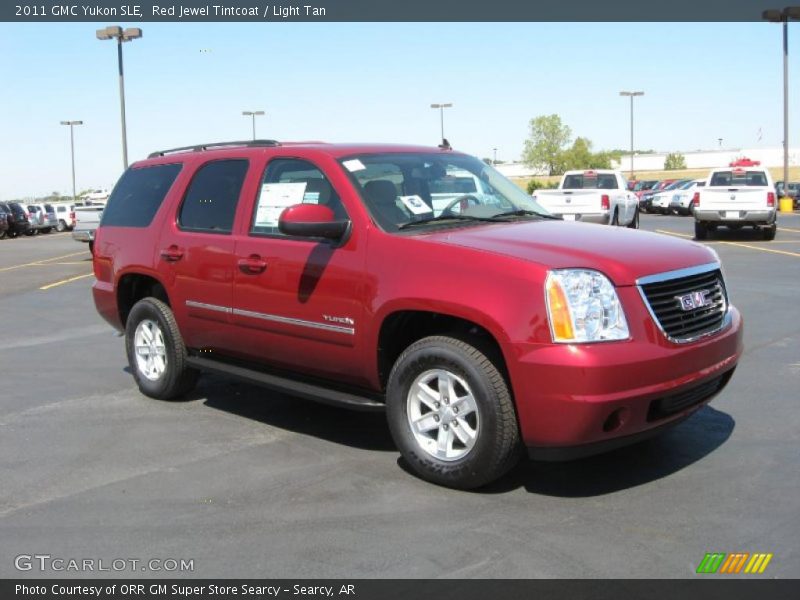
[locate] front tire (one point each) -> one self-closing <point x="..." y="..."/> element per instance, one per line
<point x="156" y="352"/>
<point x="451" y="414"/>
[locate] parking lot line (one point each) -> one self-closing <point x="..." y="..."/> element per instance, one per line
<point x="683" y="235"/>
<point x="788" y="229"/>
<point x="63" y="281"/>
<point x="762" y="248"/>
<point x="39" y="262"/>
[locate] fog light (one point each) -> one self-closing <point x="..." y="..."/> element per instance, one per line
<point x="616" y="420"/>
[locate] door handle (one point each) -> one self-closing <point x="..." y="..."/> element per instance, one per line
<point x="172" y="254"/>
<point x="252" y="265"/>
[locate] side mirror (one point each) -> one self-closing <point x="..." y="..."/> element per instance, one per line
<point x="312" y="220"/>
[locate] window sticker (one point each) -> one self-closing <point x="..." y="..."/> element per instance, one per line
<point x="416" y="204"/>
<point x="354" y="165"/>
<point x="274" y="198"/>
<point x="311" y="198"/>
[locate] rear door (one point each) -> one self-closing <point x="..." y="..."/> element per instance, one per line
<point x="195" y="253"/>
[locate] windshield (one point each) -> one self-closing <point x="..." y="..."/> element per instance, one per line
<point x="435" y="189"/>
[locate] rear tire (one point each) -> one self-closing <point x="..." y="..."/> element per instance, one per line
<point x="634" y="224"/>
<point x="700" y="231"/>
<point x="451" y="414"/>
<point x="156" y="353"/>
<point x="62" y="226"/>
<point x="615" y="218"/>
<point x="47" y="229"/>
<point x="91" y="247"/>
<point x="769" y="232"/>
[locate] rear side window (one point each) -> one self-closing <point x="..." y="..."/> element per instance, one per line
<point x="210" y="202"/>
<point x="138" y="195"/>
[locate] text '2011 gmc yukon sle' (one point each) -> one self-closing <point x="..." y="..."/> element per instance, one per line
<point x="481" y="327"/>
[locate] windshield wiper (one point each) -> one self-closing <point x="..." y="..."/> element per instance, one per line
<point x="445" y="218"/>
<point x="524" y="213"/>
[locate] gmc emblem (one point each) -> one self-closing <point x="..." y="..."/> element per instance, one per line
<point x="694" y="300"/>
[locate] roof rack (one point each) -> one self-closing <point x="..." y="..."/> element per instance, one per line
<point x="201" y="147"/>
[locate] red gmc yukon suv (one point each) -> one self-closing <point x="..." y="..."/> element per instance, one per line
<point x="417" y="281"/>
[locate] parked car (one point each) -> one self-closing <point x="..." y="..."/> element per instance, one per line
<point x="681" y="203"/>
<point x="734" y="198"/>
<point x="5" y="214"/>
<point x="592" y="196"/>
<point x="95" y="197"/>
<point x="87" y="219"/>
<point x="642" y="186"/>
<point x="20" y="220"/>
<point x="792" y="191"/>
<point x="43" y="217"/>
<point x="322" y="271"/>
<point x="661" y="199"/>
<point x="646" y="199"/>
<point x="65" y="216"/>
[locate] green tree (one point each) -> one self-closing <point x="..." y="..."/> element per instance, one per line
<point x="580" y="156"/>
<point x="547" y="140"/>
<point x="674" y="161"/>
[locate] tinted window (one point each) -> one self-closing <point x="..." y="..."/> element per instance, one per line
<point x="210" y="202"/>
<point x="739" y="178"/>
<point x="138" y="194"/>
<point x="590" y="181"/>
<point x="289" y="181"/>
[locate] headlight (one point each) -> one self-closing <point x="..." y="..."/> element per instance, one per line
<point x="583" y="306"/>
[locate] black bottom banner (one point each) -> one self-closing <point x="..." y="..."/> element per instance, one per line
<point x="389" y="589"/>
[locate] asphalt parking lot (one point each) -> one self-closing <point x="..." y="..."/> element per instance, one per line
<point x="248" y="483"/>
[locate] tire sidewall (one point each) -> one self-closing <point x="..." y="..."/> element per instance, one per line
<point x="463" y="471"/>
<point x="152" y="309"/>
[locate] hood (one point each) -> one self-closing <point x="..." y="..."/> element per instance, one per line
<point x="622" y="254"/>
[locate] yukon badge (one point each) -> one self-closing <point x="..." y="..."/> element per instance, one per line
<point x="694" y="300"/>
<point x="343" y="320"/>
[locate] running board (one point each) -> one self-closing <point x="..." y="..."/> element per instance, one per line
<point x="292" y="387"/>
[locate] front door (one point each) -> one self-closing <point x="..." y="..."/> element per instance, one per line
<point x="298" y="302"/>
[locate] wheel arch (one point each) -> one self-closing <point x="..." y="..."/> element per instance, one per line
<point x="132" y="287"/>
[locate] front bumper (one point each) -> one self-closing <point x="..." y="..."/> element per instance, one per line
<point x="579" y="399"/>
<point x="738" y="217"/>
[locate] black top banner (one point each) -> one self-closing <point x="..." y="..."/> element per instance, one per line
<point x="384" y="10"/>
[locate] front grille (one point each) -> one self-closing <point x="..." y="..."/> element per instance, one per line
<point x="675" y="403"/>
<point x="683" y="325"/>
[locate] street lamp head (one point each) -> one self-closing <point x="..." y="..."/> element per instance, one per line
<point x="131" y="33"/>
<point x="72" y="122"/>
<point x="445" y="105"/>
<point x="773" y="16"/>
<point x="792" y="12"/>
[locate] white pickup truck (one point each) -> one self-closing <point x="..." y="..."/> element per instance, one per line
<point x="595" y="196"/>
<point x="87" y="218"/>
<point x="734" y="197"/>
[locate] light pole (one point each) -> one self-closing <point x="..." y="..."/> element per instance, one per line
<point x="254" y="114"/>
<point x="631" y="94"/>
<point x="72" y="152"/>
<point x="783" y="16"/>
<point x="441" y="108"/>
<point x="494" y="160"/>
<point x="126" y="35"/>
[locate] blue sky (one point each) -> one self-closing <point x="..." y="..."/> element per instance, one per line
<point x="188" y="83"/>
